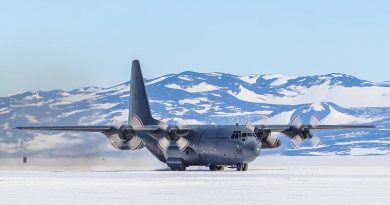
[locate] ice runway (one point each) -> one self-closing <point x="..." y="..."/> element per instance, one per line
<point x="270" y="181"/>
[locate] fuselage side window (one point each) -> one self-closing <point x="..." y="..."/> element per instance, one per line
<point x="234" y="135"/>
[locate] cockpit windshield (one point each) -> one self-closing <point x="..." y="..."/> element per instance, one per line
<point x="239" y="135"/>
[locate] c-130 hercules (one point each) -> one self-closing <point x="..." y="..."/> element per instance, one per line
<point x="180" y="146"/>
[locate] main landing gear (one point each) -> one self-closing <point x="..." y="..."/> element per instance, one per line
<point x="216" y="168"/>
<point x="242" y="167"/>
<point x="178" y="168"/>
<point x="183" y="166"/>
<point x="176" y="164"/>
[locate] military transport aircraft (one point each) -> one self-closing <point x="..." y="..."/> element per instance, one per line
<point x="180" y="146"/>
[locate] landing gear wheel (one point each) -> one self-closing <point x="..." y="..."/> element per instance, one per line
<point x="182" y="168"/>
<point x="220" y="168"/>
<point x="242" y="167"/>
<point x="245" y="167"/>
<point x="216" y="168"/>
<point x="213" y="168"/>
<point x="239" y="167"/>
<point x="178" y="167"/>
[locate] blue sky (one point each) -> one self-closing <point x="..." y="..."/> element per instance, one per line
<point x="68" y="44"/>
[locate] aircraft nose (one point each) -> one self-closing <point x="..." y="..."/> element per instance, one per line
<point x="253" y="148"/>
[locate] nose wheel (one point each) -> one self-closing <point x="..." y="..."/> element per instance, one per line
<point x="242" y="167"/>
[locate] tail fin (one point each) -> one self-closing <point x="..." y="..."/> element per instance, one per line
<point x="139" y="109"/>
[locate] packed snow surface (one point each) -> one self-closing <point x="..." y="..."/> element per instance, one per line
<point x="270" y="180"/>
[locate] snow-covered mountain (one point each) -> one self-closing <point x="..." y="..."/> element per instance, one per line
<point x="199" y="98"/>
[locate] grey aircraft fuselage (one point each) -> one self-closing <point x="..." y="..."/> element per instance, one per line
<point x="211" y="145"/>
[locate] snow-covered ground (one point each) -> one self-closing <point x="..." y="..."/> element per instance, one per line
<point x="270" y="180"/>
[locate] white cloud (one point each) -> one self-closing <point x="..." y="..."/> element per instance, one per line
<point x="42" y="142"/>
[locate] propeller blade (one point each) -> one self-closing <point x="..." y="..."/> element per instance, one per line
<point x="314" y="121"/>
<point x="181" y="122"/>
<point x="182" y="143"/>
<point x="162" y="125"/>
<point x="315" y="141"/>
<point x="250" y="126"/>
<point x="296" y="141"/>
<point x="297" y="122"/>
<point x="117" y="121"/>
<point x="182" y="126"/>
<point x="164" y="143"/>
<point x="262" y="120"/>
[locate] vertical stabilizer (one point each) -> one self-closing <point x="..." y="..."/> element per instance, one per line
<point x="139" y="109"/>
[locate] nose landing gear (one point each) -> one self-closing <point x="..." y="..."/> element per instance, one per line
<point x="242" y="167"/>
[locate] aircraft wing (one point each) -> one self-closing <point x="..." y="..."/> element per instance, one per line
<point x="336" y="127"/>
<point x="68" y="128"/>
<point x="87" y="128"/>
<point x="281" y="128"/>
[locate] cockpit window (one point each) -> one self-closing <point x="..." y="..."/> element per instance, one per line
<point x="239" y="135"/>
<point x="236" y="135"/>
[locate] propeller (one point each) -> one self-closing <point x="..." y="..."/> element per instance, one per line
<point x="263" y="135"/>
<point x="120" y="137"/>
<point x="299" y="133"/>
<point x="263" y="120"/>
<point x="118" y="122"/>
<point x="174" y="135"/>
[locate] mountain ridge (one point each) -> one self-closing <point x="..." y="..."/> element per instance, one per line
<point x="201" y="98"/>
<point x="382" y="83"/>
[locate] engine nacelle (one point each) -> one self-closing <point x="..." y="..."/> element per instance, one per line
<point x="271" y="143"/>
<point x="262" y="134"/>
<point x="267" y="141"/>
<point x="123" y="140"/>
